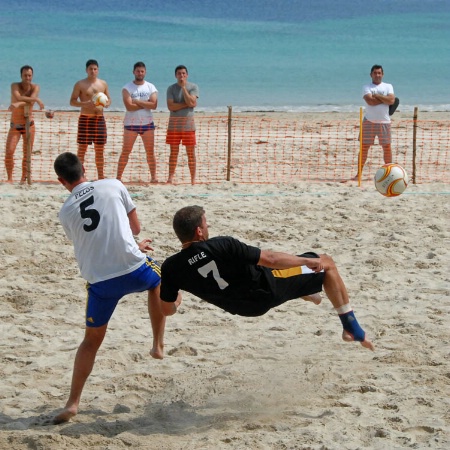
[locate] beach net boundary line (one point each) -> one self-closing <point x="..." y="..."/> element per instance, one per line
<point x="244" y="148"/>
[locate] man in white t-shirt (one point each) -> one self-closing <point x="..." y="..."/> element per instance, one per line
<point x="139" y="97"/>
<point x="100" y="219"/>
<point x="378" y="96"/>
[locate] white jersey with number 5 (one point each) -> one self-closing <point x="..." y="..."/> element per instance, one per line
<point x="95" y="219"/>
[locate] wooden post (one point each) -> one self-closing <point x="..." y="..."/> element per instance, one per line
<point x="360" y="146"/>
<point x="416" y="109"/>
<point x="28" y="138"/>
<point x="230" y="108"/>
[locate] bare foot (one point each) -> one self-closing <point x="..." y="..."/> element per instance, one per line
<point x="368" y="344"/>
<point x="155" y="181"/>
<point x="347" y="337"/>
<point x="355" y="178"/>
<point x="169" y="181"/>
<point x="157" y="353"/>
<point x="314" y="298"/>
<point x="65" y="415"/>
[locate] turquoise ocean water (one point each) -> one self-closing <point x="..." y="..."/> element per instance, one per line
<point x="286" y="55"/>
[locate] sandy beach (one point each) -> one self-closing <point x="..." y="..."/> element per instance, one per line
<point x="282" y="381"/>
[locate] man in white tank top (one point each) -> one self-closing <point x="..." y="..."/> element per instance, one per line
<point x="139" y="97"/>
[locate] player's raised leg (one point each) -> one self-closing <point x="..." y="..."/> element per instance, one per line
<point x="337" y="293"/>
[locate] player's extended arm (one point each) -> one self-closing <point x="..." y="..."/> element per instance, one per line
<point x="281" y="260"/>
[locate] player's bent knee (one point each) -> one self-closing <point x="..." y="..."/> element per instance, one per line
<point x="328" y="262"/>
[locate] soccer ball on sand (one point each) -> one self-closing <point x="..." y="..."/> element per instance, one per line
<point x="100" y="99"/>
<point x="391" y="180"/>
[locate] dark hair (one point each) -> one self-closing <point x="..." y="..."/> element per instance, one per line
<point x="376" y="67"/>
<point x="139" y="64"/>
<point x="26" y="68"/>
<point x="180" y="68"/>
<point x="186" y="220"/>
<point x="68" y="166"/>
<point x="91" y="62"/>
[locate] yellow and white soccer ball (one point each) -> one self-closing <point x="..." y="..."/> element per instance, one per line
<point x="100" y="99"/>
<point x="391" y="180"/>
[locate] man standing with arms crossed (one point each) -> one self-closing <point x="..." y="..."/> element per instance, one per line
<point x="23" y="96"/>
<point x="91" y="123"/>
<point x="139" y="97"/>
<point x="181" y="101"/>
<point x="378" y="97"/>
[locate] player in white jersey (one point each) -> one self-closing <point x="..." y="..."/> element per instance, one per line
<point x="139" y="98"/>
<point x="100" y="219"/>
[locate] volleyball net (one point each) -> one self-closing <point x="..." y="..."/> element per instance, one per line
<point x="242" y="148"/>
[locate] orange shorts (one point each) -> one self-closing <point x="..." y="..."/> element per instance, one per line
<point x="186" y="138"/>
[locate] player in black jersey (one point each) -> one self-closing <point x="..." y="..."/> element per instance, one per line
<point x="246" y="280"/>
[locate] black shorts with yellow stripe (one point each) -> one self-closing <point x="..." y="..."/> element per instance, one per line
<point x="297" y="282"/>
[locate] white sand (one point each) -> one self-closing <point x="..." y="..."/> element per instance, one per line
<point x="282" y="381"/>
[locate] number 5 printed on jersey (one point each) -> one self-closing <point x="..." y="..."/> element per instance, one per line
<point x="92" y="214"/>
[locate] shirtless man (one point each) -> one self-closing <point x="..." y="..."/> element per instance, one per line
<point x="91" y="123"/>
<point x="23" y="96"/>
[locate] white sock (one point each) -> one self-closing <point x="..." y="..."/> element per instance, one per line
<point x="344" y="309"/>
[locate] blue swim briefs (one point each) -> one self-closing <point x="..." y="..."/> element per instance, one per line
<point x="140" y="129"/>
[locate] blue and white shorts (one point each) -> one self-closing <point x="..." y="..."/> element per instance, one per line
<point x="102" y="297"/>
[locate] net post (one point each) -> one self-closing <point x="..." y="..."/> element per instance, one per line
<point x="360" y="146"/>
<point x="28" y="138"/>
<point x="416" y="110"/>
<point x="230" y="108"/>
